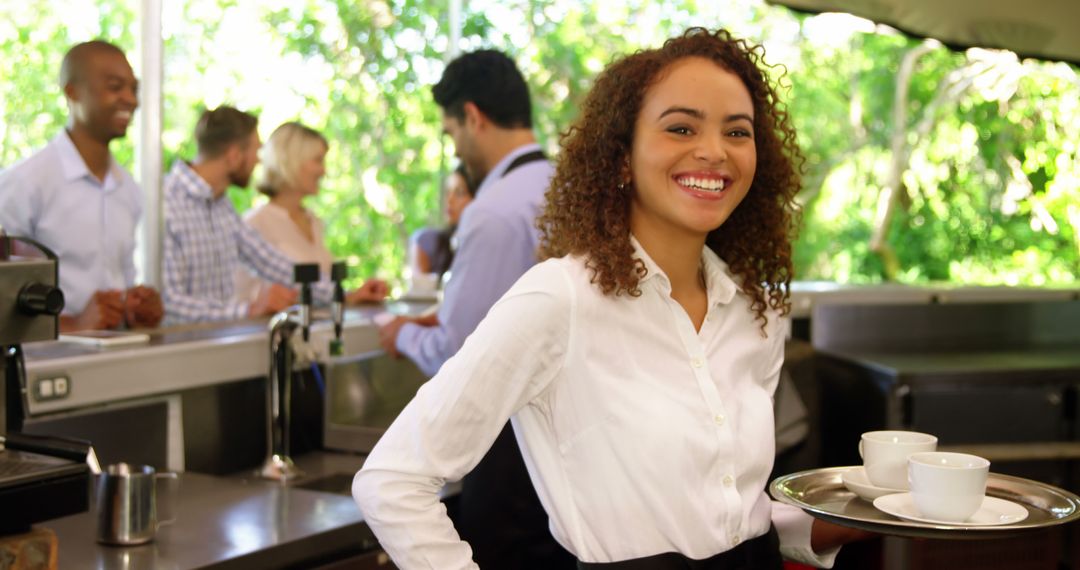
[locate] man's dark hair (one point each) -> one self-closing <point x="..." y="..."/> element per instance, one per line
<point x="72" y="68"/>
<point x="221" y="127"/>
<point x="491" y="81"/>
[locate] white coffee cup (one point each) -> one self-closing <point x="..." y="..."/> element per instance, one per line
<point x="423" y="283"/>
<point x="885" y="455"/>
<point x="947" y="486"/>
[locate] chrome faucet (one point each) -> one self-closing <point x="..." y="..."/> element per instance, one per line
<point x="278" y="464"/>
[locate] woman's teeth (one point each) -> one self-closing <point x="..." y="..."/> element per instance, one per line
<point x="705" y="184"/>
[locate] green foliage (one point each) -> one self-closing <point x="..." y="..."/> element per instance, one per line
<point x="989" y="193"/>
<point x="33" y="40"/>
<point x="991" y="176"/>
<point x="388" y="156"/>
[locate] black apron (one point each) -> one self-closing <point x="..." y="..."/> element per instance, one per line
<point x="499" y="513"/>
<point x="761" y="553"/>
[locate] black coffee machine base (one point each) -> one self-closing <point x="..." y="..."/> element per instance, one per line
<point x="43" y="499"/>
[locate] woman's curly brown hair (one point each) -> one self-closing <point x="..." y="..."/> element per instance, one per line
<point x="587" y="214"/>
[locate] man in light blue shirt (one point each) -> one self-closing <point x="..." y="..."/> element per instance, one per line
<point x="497" y="238"/>
<point x="73" y="197"/>
<point x="487" y="113"/>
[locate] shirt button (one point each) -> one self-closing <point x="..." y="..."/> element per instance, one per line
<point x="728" y="480"/>
<point x="736" y="539"/>
<point x="696" y="363"/>
<point x="719" y="419"/>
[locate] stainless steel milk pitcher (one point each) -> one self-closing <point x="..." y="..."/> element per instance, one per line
<point x="127" y="503"/>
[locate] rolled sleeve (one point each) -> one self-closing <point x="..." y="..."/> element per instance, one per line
<point x="794" y="527"/>
<point x="447" y="428"/>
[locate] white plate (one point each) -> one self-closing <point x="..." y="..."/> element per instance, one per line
<point x="857" y="482"/>
<point x="419" y="296"/>
<point x="994" y="511"/>
<point x="105" y="338"/>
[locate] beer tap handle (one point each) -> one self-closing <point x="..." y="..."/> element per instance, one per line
<point x="305" y="274"/>
<point x="338" y="272"/>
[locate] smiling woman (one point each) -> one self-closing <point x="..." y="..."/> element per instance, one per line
<point x="638" y="361"/>
<point x="706" y="115"/>
<point x="693" y="156"/>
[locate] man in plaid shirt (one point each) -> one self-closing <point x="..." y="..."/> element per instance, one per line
<point x="206" y="241"/>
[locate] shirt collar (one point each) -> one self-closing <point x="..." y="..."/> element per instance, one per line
<point x="719" y="284"/>
<point x="74" y="167"/>
<point x="500" y="168"/>
<point x="192" y="184"/>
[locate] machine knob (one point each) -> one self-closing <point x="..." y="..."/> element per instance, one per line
<point x="40" y="299"/>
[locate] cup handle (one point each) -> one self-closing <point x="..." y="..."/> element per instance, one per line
<point x="860" y="450"/>
<point x="166" y="502"/>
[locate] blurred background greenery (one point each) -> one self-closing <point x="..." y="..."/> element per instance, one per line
<point x="923" y="164"/>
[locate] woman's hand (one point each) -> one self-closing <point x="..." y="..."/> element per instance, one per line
<point x="372" y="291"/>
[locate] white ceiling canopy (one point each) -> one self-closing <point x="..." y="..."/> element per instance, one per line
<point x="1044" y="29"/>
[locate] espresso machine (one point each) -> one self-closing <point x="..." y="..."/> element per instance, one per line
<point x="40" y="477"/>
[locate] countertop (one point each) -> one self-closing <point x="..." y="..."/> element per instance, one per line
<point x="180" y="358"/>
<point x="1034" y="360"/>
<point x="236" y="522"/>
<point x="805" y="295"/>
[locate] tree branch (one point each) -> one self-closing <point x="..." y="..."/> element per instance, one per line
<point x="888" y="198"/>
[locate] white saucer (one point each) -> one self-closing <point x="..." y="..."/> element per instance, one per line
<point x="419" y="296"/>
<point x="994" y="511"/>
<point x="857" y="482"/>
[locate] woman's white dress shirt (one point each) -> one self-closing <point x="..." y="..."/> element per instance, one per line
<point x="641" y="434"/>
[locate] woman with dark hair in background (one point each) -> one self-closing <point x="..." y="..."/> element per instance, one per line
<point x="431" y="249"/>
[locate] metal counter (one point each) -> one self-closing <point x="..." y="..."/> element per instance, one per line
<point x="806" y="295"/>
<point x="178" y="358"/>
<point x="983" y="366"/>
<point x="238" y="523"/>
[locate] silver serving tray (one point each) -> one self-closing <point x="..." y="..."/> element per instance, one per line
<point x="821" y="493"/>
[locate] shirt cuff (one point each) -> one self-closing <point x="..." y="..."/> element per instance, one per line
<point x="409" y="343"/>
<point x="407" y="339"/>
<point x="793" y="526"/>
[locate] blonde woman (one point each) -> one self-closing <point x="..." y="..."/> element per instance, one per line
<point x="294" y="162"/>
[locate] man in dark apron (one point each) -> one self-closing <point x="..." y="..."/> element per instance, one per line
<point x="487" y="113"/>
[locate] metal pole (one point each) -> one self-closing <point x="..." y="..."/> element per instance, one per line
<point x="148" y="149"/>
<point x="455" y="30"/>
